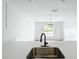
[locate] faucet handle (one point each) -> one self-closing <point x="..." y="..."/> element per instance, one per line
<point x="46" y="43"/>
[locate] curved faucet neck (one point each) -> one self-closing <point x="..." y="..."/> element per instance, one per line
<point x="44" y="39"/>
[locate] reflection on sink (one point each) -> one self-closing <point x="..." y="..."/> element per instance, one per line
<point x="45" y="53"/>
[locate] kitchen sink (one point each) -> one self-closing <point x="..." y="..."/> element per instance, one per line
<point x="45" y="53"/>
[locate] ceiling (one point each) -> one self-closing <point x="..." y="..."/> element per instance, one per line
<point x="42" y="8"/>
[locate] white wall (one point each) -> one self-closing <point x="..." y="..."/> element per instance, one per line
<point x="70" y="28"/>
<point x="22" y="15"/>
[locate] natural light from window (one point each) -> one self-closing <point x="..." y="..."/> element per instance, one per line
<point x="49" y="29"/>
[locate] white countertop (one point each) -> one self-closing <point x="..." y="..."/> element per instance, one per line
<point x="19" y="50"/>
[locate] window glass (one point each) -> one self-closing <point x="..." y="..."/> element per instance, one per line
<point x="49" y="29"/>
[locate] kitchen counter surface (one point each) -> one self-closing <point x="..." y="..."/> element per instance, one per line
<point x="19" y="50"/>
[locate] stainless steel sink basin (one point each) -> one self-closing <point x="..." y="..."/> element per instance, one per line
<point x="45" y="53"/>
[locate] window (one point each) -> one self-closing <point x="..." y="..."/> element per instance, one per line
<point x="49" y="29"/>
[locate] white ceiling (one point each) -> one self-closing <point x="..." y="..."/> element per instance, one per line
<point x="42" y="8"/>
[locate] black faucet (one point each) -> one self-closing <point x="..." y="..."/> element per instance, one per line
<point x="44" y="39"/>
